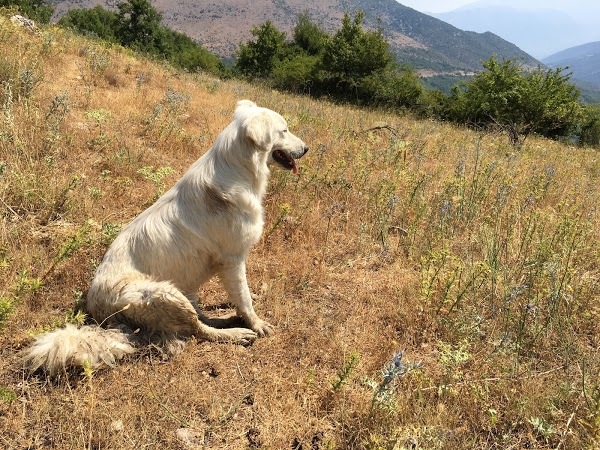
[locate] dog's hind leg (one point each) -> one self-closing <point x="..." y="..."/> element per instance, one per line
<point x="160" y="308"/>
<point x="225" y="321"/>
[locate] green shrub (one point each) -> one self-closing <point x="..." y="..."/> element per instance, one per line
<point x="6" y="307"/>
<point x="297" y="73"/>
<point x="97" y="22"/>
<point x="259" y="57"/>
<point x="590" y="128"/>
<point x="517" y="100"/>
<point x="392" y="88"/>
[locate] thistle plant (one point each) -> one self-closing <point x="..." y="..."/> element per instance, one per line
<point x="167" y="114"/>
<point x="395" y="369"/>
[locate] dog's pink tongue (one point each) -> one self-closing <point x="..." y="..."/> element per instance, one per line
<point x="294" y="168"/>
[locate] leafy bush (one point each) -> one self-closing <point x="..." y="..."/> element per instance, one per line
<point x="518" y="101"/>
<point x="353" y="65"/>
<point x="590" y="128"/>
<point x="297" y="73"/>
<point x="352" y="53"/>
<point x="309" y="37"/>
<point x="392" y="88"/>
<point x="97" y="22"/>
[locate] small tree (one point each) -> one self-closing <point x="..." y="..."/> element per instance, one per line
<point x="353" y="53"/>
<point x="139" y="24"/>
<point x="517" y="100"/>
<point x="309" y="37"/>
<point x="296" y="73"/>
<point x="590" y="128"/>
<point x="393" y="88"/>
<point x="258" y="58"/>
<point x="553" y="104"/>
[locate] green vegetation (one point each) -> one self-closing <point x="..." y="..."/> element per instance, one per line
<point x="518" y="101"/>
<point x="37" y="10"/>
<point x="590" y="128"/>
<point x="137" y="25"/>
<point x="96" y="22"/>
<point x="258" y="58"/>
<point x="356" y="66"/>
<point x="352" y="65"/>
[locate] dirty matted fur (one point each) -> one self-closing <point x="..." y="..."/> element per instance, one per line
<point x="203" y="226"/>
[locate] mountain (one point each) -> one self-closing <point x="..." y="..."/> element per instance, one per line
<point x="539" y="28"/>
<point x="426" y="43"/>
<point x="584" y="62"/>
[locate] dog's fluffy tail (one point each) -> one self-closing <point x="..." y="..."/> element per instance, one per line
<point x="71" y="347"/>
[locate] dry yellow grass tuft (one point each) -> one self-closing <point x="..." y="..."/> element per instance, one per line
<point x="478" y="260"/>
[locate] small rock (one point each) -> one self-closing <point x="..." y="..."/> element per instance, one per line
<point x="190" y="438"/>
<point x="24" y="22"/>
<point x="117" y="425"/>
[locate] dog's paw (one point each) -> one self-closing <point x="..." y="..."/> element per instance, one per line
<point x="262" y="328"/>
<point x="242" y="336"/>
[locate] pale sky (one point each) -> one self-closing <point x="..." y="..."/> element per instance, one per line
<point x="435" y="6"/>
<point x="438" y="6"/>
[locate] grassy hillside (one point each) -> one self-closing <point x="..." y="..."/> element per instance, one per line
<point x="478" y="260"/>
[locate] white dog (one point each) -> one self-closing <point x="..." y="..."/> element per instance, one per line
<point x="204" y="226"/>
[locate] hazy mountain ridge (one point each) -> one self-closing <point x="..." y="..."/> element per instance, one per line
<point x="424" y="42"/>
<point x="584" y="62"/>
<point x="539" y="28"/>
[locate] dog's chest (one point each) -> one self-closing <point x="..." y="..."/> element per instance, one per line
<point x="252" y="222"/>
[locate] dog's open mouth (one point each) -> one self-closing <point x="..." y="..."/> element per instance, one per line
<point x="285" y="161"/>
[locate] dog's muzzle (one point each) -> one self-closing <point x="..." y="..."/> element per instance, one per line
<point x="288" y="160"/>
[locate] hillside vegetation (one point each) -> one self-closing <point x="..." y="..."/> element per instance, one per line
<point x="355" y="65"/>
<point x="421" y="40"/>
<point x="476" y="259"/>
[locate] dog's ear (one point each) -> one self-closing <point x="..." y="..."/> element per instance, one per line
<point x="259" y="130"/>
<point x="245" y="104"/>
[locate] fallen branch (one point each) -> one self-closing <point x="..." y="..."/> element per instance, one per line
<point x="382" y="127"/>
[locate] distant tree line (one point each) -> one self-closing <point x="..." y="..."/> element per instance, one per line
<point x="356" y="65"/>
<point x="353" y="65"/>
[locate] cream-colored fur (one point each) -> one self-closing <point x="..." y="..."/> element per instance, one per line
<point x="203" y="226"/>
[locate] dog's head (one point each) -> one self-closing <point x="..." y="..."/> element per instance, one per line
<point x="268" y="132"/>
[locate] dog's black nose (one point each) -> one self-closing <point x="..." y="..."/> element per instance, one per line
<point x="304" y="150"/>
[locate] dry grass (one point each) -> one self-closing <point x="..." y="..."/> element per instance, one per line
<point x="481" y="261"/>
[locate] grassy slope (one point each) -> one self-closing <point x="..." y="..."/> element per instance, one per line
<point x="480" y="260"/>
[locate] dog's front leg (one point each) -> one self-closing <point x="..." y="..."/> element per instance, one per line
<point x="233" y="276"/>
